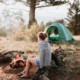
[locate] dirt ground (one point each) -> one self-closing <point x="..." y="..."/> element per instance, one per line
<point x="6" y="73"/>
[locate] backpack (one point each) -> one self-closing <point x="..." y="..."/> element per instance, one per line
<point x="57" y="56"/>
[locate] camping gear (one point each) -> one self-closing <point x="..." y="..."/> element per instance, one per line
<point x="62" y="31"/>
<point x="58" y="56"/>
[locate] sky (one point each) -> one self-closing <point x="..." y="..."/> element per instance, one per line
<point x="51" y="13"/>
<point x="16" y="9"/>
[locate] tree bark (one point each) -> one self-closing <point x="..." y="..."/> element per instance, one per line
<point x="32" y="12"/>
<point x="76" y="21"/>
<point x="52" y="1"/>
<point x="1" y="0"/>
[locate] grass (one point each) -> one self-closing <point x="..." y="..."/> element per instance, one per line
<point x="72" y="50"/>
<point x="71" y="61"/>
<point x="33" y="31"/>
<point x="28" y="34"/>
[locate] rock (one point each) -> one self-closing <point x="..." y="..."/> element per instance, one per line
<point x="44" y="77"/>
<point x="41" y="74"/>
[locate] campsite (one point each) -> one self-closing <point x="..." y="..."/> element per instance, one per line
<point x="71" y="61"/>
<point x="41" y="36"/>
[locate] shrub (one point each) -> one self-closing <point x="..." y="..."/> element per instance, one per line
<point x="3" y="32"/>
<point x="31" y="33"/>
<point x="18" y="36"/>
<point x="26" y="33"/>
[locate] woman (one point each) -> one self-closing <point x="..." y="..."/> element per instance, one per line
<point x="44" y="58"/>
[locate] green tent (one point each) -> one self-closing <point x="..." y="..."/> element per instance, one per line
<point x="62" y="31"/>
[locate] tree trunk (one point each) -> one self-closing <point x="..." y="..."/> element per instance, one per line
<point x="52" y="1"/>
<point x="76" y="21"/>
<point x="1" y="0"/>
<point x="32" y="13"/>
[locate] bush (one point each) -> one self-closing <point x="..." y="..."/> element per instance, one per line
<point x="31" y="33"/>
<point x="18" y="36"/>
<point x="3" y="32"/>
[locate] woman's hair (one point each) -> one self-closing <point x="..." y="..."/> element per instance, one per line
<point x="42" y="35"/>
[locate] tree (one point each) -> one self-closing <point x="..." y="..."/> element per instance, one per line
<point x="1" y="0"/>
<point x="32" y="4"/>
<point x="74" y="17"/>
<point x="77" y="17"/>
<point x="32" y="12"/>
<point x="52" y="1"/>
